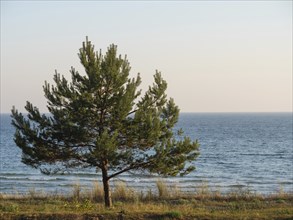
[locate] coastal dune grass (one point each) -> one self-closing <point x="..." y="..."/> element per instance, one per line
<point x="163" y="202"/>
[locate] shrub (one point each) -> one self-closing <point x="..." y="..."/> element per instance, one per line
<point x="173" y="215"/>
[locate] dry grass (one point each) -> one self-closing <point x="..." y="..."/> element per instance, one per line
<point x="97" y="192"/>
<point x="166" y="202"/>
<point x="123" y="193"/>
<point x="163" y="191"/>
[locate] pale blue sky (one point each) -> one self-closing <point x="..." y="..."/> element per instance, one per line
<point x="217" y="56"/>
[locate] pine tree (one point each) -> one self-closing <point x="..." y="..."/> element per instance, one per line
<point x="101" y="120"/>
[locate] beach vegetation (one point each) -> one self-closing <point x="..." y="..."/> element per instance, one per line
<point x="137" y="205"/>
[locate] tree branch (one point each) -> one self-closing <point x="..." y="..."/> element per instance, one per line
<point x="131" y="167"/>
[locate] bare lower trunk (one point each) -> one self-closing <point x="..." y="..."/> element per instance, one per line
<point x="107" y="192"/>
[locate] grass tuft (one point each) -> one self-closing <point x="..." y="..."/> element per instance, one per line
<point x="162" y="189"/>
<point x="97" y="193"/>
<point x="123" y="193"/>
<point x="76" y="191"/>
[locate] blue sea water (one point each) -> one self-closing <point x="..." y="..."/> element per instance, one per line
<point x="250" y="150"/>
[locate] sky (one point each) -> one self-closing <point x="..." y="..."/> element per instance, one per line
<point x="216" y="56"/>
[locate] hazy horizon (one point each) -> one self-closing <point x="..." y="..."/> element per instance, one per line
<point x="216" y="56"/>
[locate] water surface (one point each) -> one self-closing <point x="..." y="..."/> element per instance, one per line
<point x="251" y="150"/>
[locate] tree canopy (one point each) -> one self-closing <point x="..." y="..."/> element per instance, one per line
<point x="100" y="119"/>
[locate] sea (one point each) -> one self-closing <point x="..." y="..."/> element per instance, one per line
<point x="238" y="151"/>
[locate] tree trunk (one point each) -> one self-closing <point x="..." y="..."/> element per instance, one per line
<point x="107" y="192"/>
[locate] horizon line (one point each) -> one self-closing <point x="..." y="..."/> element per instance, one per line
<point x="200" y="112"/>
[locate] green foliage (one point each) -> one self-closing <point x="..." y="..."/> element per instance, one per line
<point x="100" y="119"/>
<point x="173" y="215"/>
<point x="10" y="207"/>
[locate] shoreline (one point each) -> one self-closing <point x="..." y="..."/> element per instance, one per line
<point x="197" y="188"/>
<point x="165" y="203"/>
